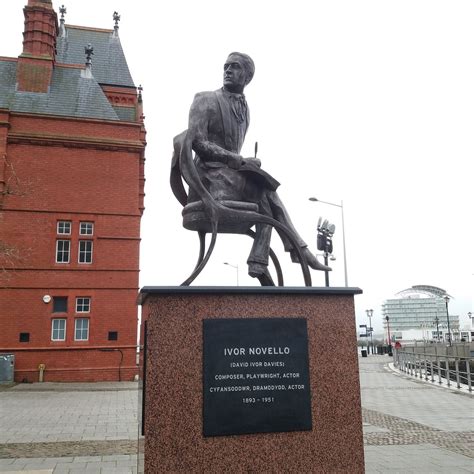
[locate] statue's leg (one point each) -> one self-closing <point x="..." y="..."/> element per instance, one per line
<point x="261" y="244"/>
<point x="274" y="259"/>
<point x="258" y="257"/>
<point x="280" y="213"/>
<point x="257" y="218"/>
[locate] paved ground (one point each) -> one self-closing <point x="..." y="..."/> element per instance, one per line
<point x="409" y="426"/>
<point x="64" y="428"/>
<point x="414" y="426"/>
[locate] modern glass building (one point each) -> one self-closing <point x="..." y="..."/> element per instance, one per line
<point x="419" y="314"/>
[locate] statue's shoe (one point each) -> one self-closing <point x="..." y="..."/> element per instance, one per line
<point x="260" y="271"/>
<point x="312" y="261"/>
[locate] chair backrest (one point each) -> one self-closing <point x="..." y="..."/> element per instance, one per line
<point x="176" y="179"/>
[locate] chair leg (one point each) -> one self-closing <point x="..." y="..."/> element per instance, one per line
<point x="293" y="240"/>
<point x="277" y="266"/>
<point x="303" y="265"/>
<point x="202" y="247"/>
<point x="203" y="261"/>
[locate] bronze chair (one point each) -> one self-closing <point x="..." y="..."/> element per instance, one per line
<point x="214" y="216"/>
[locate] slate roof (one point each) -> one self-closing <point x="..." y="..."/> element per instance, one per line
<point x="70" y="94"/>
<point x="108" y="62"/>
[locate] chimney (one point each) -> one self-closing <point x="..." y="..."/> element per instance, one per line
<point x="35" y="64"/>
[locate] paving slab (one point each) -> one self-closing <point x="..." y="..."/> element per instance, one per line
<point x="409" y="426"/>
<point x="427" y="428"/>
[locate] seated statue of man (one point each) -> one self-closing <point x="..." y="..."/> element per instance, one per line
<point x="220" y="120"/>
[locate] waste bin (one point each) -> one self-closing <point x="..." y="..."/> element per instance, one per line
<point x="363" y="353"/>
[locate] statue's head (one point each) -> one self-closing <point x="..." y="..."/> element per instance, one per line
<point x="239" y="69"/>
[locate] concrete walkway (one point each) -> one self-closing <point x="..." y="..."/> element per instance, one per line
<point x="69" y="428"/>
<point x="409" y="426"/>
<point x="412" y="425"/>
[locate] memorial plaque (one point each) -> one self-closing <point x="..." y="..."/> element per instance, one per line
<point x="255" y="376"/>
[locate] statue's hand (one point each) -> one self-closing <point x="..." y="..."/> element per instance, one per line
<point x="235" y="162"/>
<point x="253" y="162"/>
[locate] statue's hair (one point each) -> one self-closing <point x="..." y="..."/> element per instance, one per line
<point x="247" y="63"/>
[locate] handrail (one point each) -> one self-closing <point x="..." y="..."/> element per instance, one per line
<point x="451" y="368"/>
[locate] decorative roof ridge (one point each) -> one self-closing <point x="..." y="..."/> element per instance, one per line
<point x="8" y="59"/>
<point x="90" y="28"/>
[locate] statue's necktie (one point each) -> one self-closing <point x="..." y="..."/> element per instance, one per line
<point x="239" y="107"/>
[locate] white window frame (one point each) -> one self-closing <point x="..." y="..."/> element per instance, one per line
<point x="83" y="304"/>
<point x="62" y="251"/>
<point x="85" y="252"/>
<point x="81" y="329"/>
<point x="58" y="329"/>
<point x="89" y="225"/>
<point x="63" y="222"/>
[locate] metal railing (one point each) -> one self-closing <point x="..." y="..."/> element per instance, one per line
<point x="458" y="349"/>
<point x="451" y="369"/>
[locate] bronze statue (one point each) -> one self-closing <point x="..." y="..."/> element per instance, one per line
<point x="219" y="122"/>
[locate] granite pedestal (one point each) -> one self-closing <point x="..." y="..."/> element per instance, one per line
<point x="174" y="436"/>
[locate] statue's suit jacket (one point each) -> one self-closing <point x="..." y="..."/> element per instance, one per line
<point x="250" y="183"/>
<point x="223" y="130"/>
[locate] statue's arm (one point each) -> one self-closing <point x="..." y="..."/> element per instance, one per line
<point x="199" y="117"/>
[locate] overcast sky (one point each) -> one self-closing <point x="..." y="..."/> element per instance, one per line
<point x="366" y="102"/>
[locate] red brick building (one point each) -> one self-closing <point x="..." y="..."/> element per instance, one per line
<point x="72" y="144"/>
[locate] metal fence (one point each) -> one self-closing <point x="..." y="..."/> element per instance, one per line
<point x="454" y="369"/>
<point x="458" y="349"/>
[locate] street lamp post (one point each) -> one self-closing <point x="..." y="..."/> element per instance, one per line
<point x="341" y="206"/>
<point x="470" y="339"/>
<point x="446" y="299"/>
<point x="236" y="270"/>
<point x="370" y="313"/>
<point x="437" y="327"/>
<point x="388" y="330"/>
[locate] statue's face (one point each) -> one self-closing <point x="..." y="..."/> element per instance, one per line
<point x="235" y="76"/>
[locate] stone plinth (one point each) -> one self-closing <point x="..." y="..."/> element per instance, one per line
<point x="174" y="440"/>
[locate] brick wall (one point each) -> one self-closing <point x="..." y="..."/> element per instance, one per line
<point x="77" y="171"/>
